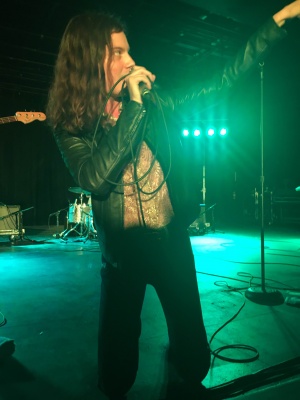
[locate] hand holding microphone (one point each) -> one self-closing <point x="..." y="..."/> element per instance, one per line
<point x="139" y="83"/>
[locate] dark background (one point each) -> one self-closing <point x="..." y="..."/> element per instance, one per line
<point x="180" y="41"/>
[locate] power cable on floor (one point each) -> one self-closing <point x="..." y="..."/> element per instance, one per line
<point x="250" y="283"/>
<point x="216" y="353"/>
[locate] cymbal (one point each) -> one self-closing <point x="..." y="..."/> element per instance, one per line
<point x="79" y="191"/>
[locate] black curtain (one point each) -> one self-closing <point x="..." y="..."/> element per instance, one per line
<point x="32" y="172"/>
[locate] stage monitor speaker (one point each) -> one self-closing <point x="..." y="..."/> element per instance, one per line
<point x="9" y="218"/>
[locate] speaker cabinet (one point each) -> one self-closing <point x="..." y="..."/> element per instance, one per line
<point x="10" y="220"/>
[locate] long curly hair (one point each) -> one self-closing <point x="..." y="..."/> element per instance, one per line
<point x="78" y="88"/>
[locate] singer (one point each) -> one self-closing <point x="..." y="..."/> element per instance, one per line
<point x="111" y="127"/>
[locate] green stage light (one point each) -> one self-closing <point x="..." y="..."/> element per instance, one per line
<point x="223" y="131"/>
<point x="210" y="131"/>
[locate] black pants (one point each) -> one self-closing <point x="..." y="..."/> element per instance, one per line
<point x="163" y="259"/>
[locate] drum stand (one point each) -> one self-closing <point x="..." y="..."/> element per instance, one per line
<point x="83" y="230"/>
<point x="77" y="228"/>
<point x="91" y="232"/>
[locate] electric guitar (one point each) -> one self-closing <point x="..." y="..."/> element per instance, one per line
<point x="25" y="117"/>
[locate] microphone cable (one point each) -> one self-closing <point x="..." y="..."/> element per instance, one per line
<point x="137" y="180"/>
<point x="216" y="353"/>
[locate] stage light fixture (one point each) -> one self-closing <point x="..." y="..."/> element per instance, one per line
<point x="208" y="127"/>
<point x="210" y="131"/>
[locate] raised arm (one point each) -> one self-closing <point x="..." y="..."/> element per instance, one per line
<point x="290" y="11"/>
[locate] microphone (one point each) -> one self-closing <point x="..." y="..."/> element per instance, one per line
<point x="144" y="90"/>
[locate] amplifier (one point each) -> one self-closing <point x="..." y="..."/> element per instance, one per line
<point x="9" y="220"/>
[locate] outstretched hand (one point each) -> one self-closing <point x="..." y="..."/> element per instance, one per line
<point x="290" y="11"/>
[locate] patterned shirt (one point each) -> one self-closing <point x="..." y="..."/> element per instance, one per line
<point x="157" y="208"/>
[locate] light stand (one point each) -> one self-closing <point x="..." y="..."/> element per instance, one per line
<point x="203" y="213"/>
<point x="204" y="189"/>
<point x="261" y="295"/>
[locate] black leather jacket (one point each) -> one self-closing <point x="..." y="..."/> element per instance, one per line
<point x="98" y="167"/>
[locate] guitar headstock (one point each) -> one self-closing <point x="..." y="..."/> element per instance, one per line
<point x="29" y="116"/>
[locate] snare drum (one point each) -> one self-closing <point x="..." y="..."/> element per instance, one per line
<point x="75" y="214"/>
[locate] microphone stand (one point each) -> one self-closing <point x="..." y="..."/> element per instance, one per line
<point x="257" y="294"/>
<point x="56" y="214"/>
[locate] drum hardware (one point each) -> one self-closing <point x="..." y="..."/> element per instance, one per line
<point x="79" y="214"/>
<point x="89" y="222"/>
<point x="78" y="190"/>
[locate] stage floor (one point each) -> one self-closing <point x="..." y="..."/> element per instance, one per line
<point x="49" y="295"/>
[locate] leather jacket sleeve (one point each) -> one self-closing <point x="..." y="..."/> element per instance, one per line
<point x="248" y="57"/>
<point x="96" y="163"/>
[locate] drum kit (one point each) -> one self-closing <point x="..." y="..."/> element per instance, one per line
<point x="80" y="216"/>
